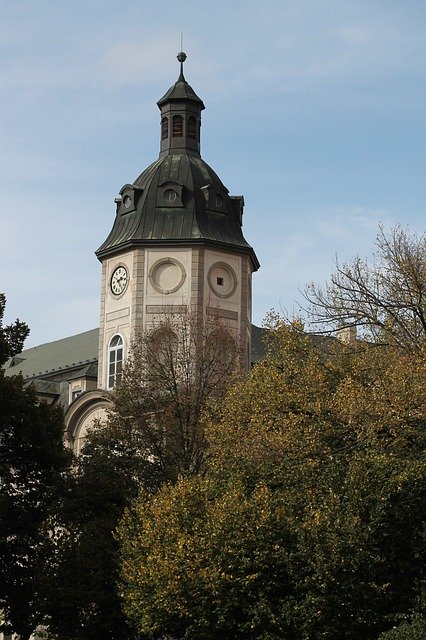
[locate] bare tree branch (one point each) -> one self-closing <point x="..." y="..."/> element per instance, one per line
<point x="385" y="299"/>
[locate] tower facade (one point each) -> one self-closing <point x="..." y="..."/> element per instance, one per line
<point x="176" y="243"/>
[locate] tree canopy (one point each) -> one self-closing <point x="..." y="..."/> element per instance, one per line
<point x="32" y="457"/>
<point x="12" y="336"/>
<point x="308" y="521"/>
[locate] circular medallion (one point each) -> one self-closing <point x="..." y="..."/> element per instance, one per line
<point x="119" y="280"/>
<point x="222" y="280"/>
<point x="167" y="275"/>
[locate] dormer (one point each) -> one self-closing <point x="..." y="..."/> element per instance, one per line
<point x="83" y="380"/>
<point x="170" y="194"/>
<point x="128" y="199"/>
<point x="216" y="198"/>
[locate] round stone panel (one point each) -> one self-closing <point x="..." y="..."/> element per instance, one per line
<point x="167" y="275"/>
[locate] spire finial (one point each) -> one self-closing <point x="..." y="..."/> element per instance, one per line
<point x="181" y="57"/>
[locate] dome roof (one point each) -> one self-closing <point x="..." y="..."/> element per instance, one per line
<point x="178" y="199"/>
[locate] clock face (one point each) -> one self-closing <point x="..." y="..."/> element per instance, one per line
<point x="119" y="280"/>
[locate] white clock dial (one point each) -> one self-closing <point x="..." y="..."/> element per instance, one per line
<point x="119" y="280"/>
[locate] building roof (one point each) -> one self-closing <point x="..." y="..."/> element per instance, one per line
<point x="52" y="357"/>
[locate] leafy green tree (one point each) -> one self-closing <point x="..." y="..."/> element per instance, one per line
<point x="308" y="522"/>
<point x="200" y="562"/>
<point x="78" y="590"/>
<point x="12" y="336"/>
<point x="413" y="630"/>
<point x="385" y="299"/>
<point x="32" y="457"/>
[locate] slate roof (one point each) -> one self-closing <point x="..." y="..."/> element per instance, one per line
<point x="257" y="343"/>
<point x="52" y="357"/>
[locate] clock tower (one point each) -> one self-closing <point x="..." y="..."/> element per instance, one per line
<point x="176" y="243"/>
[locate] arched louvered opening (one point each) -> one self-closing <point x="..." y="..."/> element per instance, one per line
<point x="177" y="131"/>
<point x="192" y="128"/>
<point x="164" y="128"/>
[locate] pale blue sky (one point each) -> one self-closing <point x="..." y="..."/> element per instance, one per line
<point x="315" y="112"/>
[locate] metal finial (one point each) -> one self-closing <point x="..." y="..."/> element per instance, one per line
<point x="181" y="57"/>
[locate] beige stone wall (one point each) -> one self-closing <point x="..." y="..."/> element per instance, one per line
<point x="165" y="281"/>
<point x="227" y="293"/>
<point x="167" y="284"/>
<point x="79" y="386"/>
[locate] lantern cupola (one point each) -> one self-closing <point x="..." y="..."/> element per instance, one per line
<point x="180" y="111"/>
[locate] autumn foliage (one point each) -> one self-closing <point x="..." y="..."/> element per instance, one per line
<point x="308" y="521"/>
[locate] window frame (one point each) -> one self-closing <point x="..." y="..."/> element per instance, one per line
<point x="115" y="361"/>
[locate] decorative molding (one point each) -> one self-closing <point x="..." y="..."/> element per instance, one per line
<point x="224" y="267"/>
<point x="120" y="313"/>
<point x="166" y="308"/>
<point x="155" y="274"/>
<point x="222" y="313"/>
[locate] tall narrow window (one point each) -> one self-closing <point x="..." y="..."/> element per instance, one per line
<point x="115" y="361"/>
<point x="164" y="128"/>
<point x="192" y="127"/>
<point x="177" y="126"/>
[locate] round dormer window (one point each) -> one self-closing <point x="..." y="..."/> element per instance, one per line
<point x="127" y="201"/>
<point x="170" y="195"/>
<point x="218" y="201"/>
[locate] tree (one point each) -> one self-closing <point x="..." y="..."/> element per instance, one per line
<point x="386" y="299"/>
<point x="413" y="630"/>
<point x="32" y="457"/>
<point x="308" y="521"/>
<point x="154" y="434"/>
<point x="174" y="375"/>
<point x="78" y="590"/>
<point x="12" y="337"/>
<point x="200" y="562"/>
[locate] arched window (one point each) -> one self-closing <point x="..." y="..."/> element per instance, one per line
<point x="164" y="128"/>
<point x="115" y="361"/>
<point x="192" y="127"/>
<point x="177" y="126"/>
